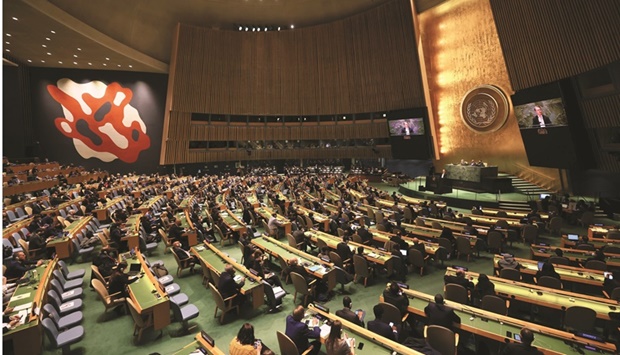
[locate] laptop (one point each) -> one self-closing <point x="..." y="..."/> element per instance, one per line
<point x="134" y="269"/>
<point x="573" y="237"/>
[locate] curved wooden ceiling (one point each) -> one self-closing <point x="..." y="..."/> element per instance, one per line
<point x="136" y="35"/>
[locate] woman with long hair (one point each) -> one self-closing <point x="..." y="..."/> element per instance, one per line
<point x="335" y="344"/>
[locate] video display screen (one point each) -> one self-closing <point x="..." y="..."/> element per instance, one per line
<point x="541" y="114"/>
<point x="406" y="127"/>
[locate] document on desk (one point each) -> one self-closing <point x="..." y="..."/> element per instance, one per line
<point x="325" y="329"/>
<point x="22" y="306"/>
<point x="314" y="268"/>
<point x="20" y="297"/>
<point x="373" y="255"/>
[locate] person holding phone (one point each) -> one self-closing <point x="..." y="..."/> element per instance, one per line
<point x="524" y="347"/>
<point x="245" y="343"/>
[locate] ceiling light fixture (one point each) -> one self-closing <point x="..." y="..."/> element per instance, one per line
<point x="47" y="39"/>
<point x="89" y="63"/>
<point x="8" y="50"/>
<point x="292" y="26"/>
<point x="8" y="35"/>
<point x="42" y="61"/>
<point x="131" y="66"/>
<point x="15" y="18"/>
<point x="60" y="62"/>
<point x="75" y="56"/>
<point x="44" y="46"/>
<point x="7" y="42"/>
<point x="79" y="49"/>
<point x="105" y="65"/>
<point x="107" y="58"/>
<point x="119" y="65"/>
<point x="29" y="60"/>
<point x="52" y="31"/>
<point x="48" y="53"/>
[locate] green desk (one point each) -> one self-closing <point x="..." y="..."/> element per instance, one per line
<point x="491" y="221"/>
<point x="198" y="346"/>
<point x="232" y="221"/>
<point x="371" y="254"/>
<point x="543" y="252"/>
<point x="494" y="326"/>
<point x="567" y="273"/>
<point x="148" y="205"/>
<point x="216" y="261"/>
<point x="27" y="338"/>
<point x="148" y="295"/>
<point x="597" y="241"/>
<point x="319" y="218"/>
<point x="546" y="297"/>
<point x="266" y="213"/>
<point x="315" y="266"/>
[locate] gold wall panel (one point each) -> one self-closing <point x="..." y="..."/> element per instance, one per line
<point x="462" y="51"/>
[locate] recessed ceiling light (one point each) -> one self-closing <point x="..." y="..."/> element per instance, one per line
<point x="7" y="42"/>
<point x="8" y="50"/>
<point x="15" y="18"/>
<point x="8" y="35"/>
<point x="75" y="56"/>
<point x="79" y="49"/>
<point x="48" y="53"/>
<point x="60" y="62"/>
<point x="47" y="39"/>
<point x="42" y="61"/>
<point x="119" y="65"/>
<point x="106" y="58"/>
<point x="75" y="63"/>
<point x="29" y="60"/>
<point x="44" y="45"/>
<point x="131" y="66"/>
<point x="105" y="65"/>
<point x="292" y="26"/>
<point x="52" y="31"/>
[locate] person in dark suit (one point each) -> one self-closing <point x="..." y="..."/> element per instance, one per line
<point x="299" y="332"/>
<point x="19" y="265"/>
<point x="380" y="327"/>
<point x="343" y="250"/>
<point x="417" y="245"/>
<point x="459" y="279"/>
<point x="547" y="270"/>
<point x="176" y="232"/>
<point x="364" y="234"/>
<point x="228" y="287"/>
<point x="119" y="280"/>
<point x="439" y="314"/>
<point x="394" y="296"/>
<point x="540" y="120"/>
<point x="524" y="347"/>
<point x="184" y="256"/>
<point x="348" y="314"/>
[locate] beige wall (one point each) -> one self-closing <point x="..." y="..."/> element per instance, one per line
<point x="462" y="51"/>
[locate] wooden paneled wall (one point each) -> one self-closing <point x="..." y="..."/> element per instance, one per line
<point x="214" y="155"/>
<point x="547" y="40"/>
<point x="365" y="63"/>
<point x="206" y="132"/>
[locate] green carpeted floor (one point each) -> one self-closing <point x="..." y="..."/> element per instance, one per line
<point x="111" y="333"/>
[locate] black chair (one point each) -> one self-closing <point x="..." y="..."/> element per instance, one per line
<point x="579" y="318"/>
<point x="551" y="282"/>
<point x="456" y="293"/>
<point x="495" y="304"/>
<point x="510" y="274"/>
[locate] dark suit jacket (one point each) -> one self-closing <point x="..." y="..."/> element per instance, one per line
<point x="299" y="333"/>
<point x="442" y="315"/>
<point x="227" y="286"/>
<point x="349" y="315"/>
<point x="379" y="327"/>
<point x="16" y="269"/>
<point x="399" y="301"/>
<point x="536" y="123"/>
<point x="520" y="349"/>
<point x="344" y="251"/>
